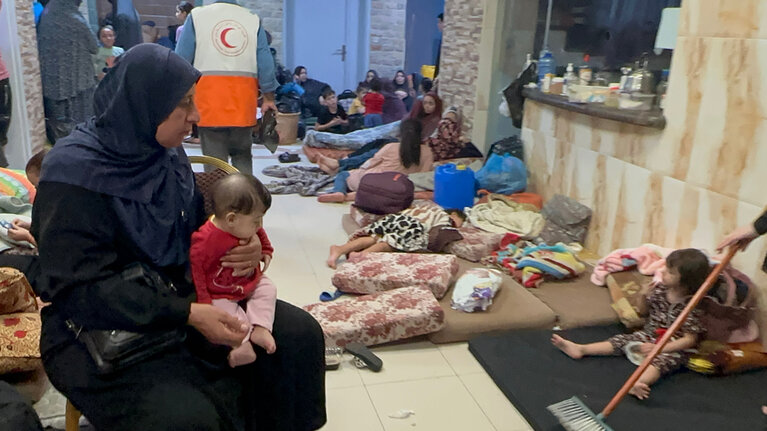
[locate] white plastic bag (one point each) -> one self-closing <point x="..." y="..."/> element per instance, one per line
<point x="475" y="289"/>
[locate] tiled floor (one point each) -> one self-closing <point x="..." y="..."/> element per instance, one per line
<point x="443" y="384"/>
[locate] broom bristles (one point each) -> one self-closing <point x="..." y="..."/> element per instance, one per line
<point x="573" y="415"/>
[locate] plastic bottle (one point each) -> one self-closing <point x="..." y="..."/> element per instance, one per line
<point x="661" y="89"/>
<point x="546" y="64"/>
<point x="584" y="72"/>
<point x="570" y="78"/>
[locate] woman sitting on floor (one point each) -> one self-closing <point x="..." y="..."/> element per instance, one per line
<point x="407" y="156"/>
<point x="446" y="142"/>
<point x="428" y="112"/>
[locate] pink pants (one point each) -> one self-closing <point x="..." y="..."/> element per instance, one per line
<point x="259" y="308"/>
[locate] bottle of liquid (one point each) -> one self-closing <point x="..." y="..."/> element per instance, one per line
<point x="546" y="64"/>
<point x="570" y="78"/>
<point x="584" y="72"/>
<point x="528" y="60"/>
<point x="661" y="89"/>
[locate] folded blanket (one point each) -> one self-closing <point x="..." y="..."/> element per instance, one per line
<point x="304" y="180"/>
<point x="506" y="216"/>
<point x="649" y="259"/>
<point x="531" y="264"/>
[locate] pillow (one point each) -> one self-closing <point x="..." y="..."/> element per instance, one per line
<point x="475" y="244"/>
<point x="627" y="300"/>
<point x="20" y="349"/>
<point x="718" y="358"/>
<point x="16" y="294"/>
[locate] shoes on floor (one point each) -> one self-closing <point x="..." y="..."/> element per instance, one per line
<point x="364" y="356"/>
<point x="333" y="356"/>
<point x="287" y="157"/>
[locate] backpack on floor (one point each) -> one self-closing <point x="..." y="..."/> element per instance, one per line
<point x="384" y="193"/>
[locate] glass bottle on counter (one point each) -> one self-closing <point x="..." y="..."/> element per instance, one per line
<point x="661" y="89"/>
<point x="570" y="78"/>
<point x="584" y="72"/>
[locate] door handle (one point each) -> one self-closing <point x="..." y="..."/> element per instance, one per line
<point x="341" y="52"/>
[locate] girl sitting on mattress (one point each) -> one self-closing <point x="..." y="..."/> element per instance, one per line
<point x="684" y="273"/>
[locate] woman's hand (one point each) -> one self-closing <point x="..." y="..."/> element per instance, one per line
<point x="244" y="258"/>
<point x="267" y="260"/>
<point x="741" y="236"/>
<point x="216" y="325"/>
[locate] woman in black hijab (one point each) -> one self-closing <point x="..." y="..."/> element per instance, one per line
<point x="119" y="191"/>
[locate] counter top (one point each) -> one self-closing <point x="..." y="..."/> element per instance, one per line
<point x="653" y="118"/>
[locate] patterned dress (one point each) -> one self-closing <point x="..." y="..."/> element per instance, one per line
<point x="662" y="315"/>
<point x="408" y="230"/>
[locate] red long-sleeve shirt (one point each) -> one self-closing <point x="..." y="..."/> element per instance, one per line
<point x="213" y="281"/>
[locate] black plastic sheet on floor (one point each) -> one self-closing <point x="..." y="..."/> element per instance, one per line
<point x="534" y="374"/>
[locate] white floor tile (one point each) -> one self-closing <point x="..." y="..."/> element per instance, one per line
<point x="346" y="376"/>
<point x="494" y="403"/>
<point x="408" y="362"/>
<point x="460" y="359"/>
<point x="440" y="404"/>
<point x="350" y="409"/>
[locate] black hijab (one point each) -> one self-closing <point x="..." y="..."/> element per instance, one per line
<point x="116" y="153"/>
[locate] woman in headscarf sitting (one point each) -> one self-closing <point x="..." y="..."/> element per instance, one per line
<point x="115" y="210"/>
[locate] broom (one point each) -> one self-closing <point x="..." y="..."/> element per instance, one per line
<point x="573" y="414"/>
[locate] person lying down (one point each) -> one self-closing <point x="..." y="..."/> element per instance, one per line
<point x="410" y="230"/>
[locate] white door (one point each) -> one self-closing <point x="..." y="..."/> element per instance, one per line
<point x="329" y="38"/>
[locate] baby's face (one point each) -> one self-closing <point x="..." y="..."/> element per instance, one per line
<point x="244" y="226"/>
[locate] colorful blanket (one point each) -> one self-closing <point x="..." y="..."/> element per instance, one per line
<point x="648" y="259"/>
<point x="532" y="264"/>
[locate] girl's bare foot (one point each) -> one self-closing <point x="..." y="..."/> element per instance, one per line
<point x="329" y="162"/>
<point x="262" y="337"/>
<point x="336" y="197"/>
<point x="335" y="254"/>
<point x="640" y="390"/>
<point x="571" y="349"/>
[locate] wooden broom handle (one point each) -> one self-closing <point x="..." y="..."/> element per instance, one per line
<point x="702" y="291"/>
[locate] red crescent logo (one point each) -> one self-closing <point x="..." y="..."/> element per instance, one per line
<point x="223" y="37"/>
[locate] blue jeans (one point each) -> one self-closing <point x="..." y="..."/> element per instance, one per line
<point x="373" y="120"/>
<point x="339" y="184"/>
<point x="355" y="162"/>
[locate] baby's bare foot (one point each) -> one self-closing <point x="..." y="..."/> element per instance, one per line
<point x="263" y="338"/>
<point x="335" y="254"/>
<point x="242" y="355"/>
<point x="640" y="390"/>
<point x="571" y="349"/>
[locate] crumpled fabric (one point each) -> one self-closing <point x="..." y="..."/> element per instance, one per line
<point x="304" y="180"/>
<point x="475" y="290"/>
<point x="567" y="220"/>
<point x="649" y="259"/>
<point x="532" y="264"/>
<point x="506" y="216"/>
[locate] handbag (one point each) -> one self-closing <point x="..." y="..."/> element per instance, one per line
<point x="116" y="349"/>
<point x="513" y="93"/>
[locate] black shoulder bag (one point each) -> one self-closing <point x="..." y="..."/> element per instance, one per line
<point x="115" y="350"/>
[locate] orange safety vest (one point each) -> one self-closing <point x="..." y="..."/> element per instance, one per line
<point x="225" y="53"/>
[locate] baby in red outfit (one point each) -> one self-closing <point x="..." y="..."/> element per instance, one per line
<point x="240" y="202"/>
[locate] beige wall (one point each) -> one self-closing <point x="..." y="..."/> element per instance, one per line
<point x="459" y="61"/>
<point x="691" y="183"/>
<point x="387" y="36"/>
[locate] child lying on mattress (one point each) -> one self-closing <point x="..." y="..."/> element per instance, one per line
<point x="410" y="230"/>
<point x="684" y="273"/>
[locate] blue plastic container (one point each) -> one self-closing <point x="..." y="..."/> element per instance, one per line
<point x="454" y="186"/>
<point x="546" y="64"/>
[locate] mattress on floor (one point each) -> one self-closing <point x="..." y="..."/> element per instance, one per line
<point x="514" y="307"/>
<point x="378" y="318"/>
<point x="533" y="374"/>
<point x="577" y="302"/>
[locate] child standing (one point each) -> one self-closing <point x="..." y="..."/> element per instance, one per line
<point x="105" y="58"/>
<point x="684" y="273"/>
<point x="239" y="203"/>
<point x="373" y="102"/>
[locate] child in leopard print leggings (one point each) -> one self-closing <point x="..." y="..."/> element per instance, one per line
<point x="684" y="273"/>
